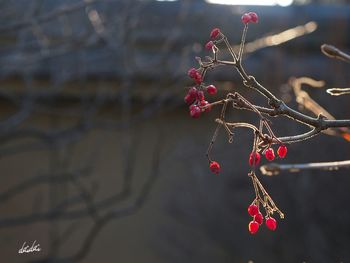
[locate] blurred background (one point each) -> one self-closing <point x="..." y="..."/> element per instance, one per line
<point x="100" y="161"/>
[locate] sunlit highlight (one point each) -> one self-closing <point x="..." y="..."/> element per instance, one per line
<point x="252" y="2"/>
<point x="280" y="38"/>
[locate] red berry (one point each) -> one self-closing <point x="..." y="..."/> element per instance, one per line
<point x="259" y="218"/>
<point x="192" y="72"/>
<point x="257" y="158"/>
<point x="189" y="99"/>
<point x="214" y="167"/>
<point x="271" y="223"/>
<point x="211" y="89"/>
<point x="214" y="33"/>
<point x="246" y="18"/>
<point x="192" y="92"/>
<point x="198" y="78"/>
<point x="203" y="104"/>
<point x="282" y="151"/>
<point x="192" y="107"/>
<point x="250" y="17"/>
<point x="209" y="45"/>
<point x="200" y="95"/>
<point x="195" y="111"/>
<point x="253" y="210"/>
<point x="270" y="154"/>
<point x="253" y="227"/>
<point x="253" y="17"/>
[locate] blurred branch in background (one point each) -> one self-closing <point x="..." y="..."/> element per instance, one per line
<point x="72" y="69"/>
<point x="307" y="103"/>
<point x="48" y="73"/>
<point x="275" y="168"/>
<point x="338" y="91"/>
<point x="61" y="11"/>
<point x="333" y="52"/>
<point x="279" y="38"/>
<point x="101" y="217"/>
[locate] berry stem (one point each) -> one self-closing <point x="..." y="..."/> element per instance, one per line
<point x="265" y="200"/>
<point x="212" y="142"/>
<point x="241" y="47"/>
<point x="229" y="47"/>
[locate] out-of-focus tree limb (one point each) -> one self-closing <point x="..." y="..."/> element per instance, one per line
<point x="306" y="102"/>
<point x="338" y="91"/>
<point x="276" y="169"/>
<point x="333" y="52"/>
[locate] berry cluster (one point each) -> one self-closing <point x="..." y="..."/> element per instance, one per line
<point x="250" y="17"/>
<point x="262" y="142"/>
<point x="254" y="157"/>
<point x="195" y="75"/>
<point x="195" y="96"/>
<point x="258" y="219"/>
<point x="215" y="33"/>
<point x="253" y="209"/>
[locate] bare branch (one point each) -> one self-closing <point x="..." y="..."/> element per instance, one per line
<point x="276" y="169"/>
<point x="276" y="107"/>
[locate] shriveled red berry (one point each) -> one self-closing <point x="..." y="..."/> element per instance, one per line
<point x="200" y="95"/>
<point x="270" y="154"/>
<point x="204" y="104"/>
<point x="193" y="92"/>
<point x="214" y="33"/>
<point x="259" y="218"/>
<point x="271" y="223"/>
<point x="195" y="111"/>
<point x="253" y="17"/>
<point x="192" y="72"/>
<point x="253" y="210"/>
<point x="282" y="151"/>
<point x="254" y="158"/>
<point x="211" y="89"/>
<point x="253" y="227"/>
<point x="189" y="99"/>
<point x="246" y="18"/>
<point x="214" y="167"/>
<point x="209" y="45"/>
<point x="198" y="78"/>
